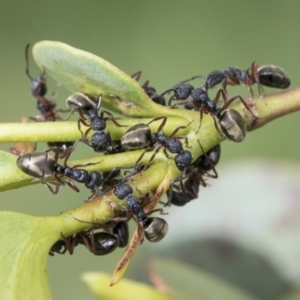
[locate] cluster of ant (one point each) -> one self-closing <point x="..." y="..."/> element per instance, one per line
<point x="42" y="166"/>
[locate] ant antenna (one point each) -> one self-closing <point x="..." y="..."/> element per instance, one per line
<point x="27" y="61"/>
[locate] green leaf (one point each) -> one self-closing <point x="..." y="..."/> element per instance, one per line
<point x="27" y="240"/>
<point x="81" y="71"/>
<point x="99" y="283"/>
<point x="186" y="282"/>
<point x="25" y="243"/>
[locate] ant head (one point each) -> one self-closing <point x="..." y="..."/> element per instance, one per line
<point x="38" y="84"/>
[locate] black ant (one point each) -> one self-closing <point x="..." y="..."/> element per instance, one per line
<point x="41" y="166"/>
<point x="139" y="136"/>
<point x="46" y="107"/>
<point x="38" y="90"/>
<point x="100" y="141"/>
<point x="202" y="103"/>
<point x="149" y="90"/>
<point x="154" y="228"/>
<point x="266" y="75"/>
<point x="100" y="243"/>
<point x="190" y="188"/>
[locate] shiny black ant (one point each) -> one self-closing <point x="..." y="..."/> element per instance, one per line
<point x="100" y="141"/>
<point x="187" y="191"/>
<point x="42" y="166"/>
<point x="266" y="75"/>
<point x="99" y="243"/>
<point x="154" y="228"/>
<point x="150" y="91"/>
<point x="270" y="76"/>
<point x="202" y="103"/>
<point x="46" y="107"/>
<point x="139" y="136"/>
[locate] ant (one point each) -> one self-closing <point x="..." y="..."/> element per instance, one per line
<point x="154" y="228"/>
<point x="46" y="107"/>
<point x="150" y="91"/>
<point x="201" y="101"/>
<point x="100" y="141"/>
<point x="139" y="136"/>
<point x="100" y="243"/>
<point x="41" y="166"/>
<point x="266" y="75"/>
<point x="190" y="188"/>
<point x="38" y="90"/>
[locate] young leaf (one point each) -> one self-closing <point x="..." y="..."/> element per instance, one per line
<point x="81" y="71"/>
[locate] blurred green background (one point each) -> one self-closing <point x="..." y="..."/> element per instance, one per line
<point x="169" y="41"/>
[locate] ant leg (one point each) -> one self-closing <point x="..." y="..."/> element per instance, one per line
<point x="201" y="117"/>
<point x="71" y="184"/>
<point x="141" y="156"/>
<point x="140" y="232"/>
<point x="66" y="154"/>
<point x="114" y="172"/>
<point x="215" y="175"/>
<point x="71" y="242"/>
<point x="51" y="189"/>
<point x="232" y="80"/>
<point x="261" y="92"/>
<point x="82" y="121"/>
<point x="163" y="123"/>
<point x="217" y="127"/>
<point x="254" y="76"/>
<point x="180" y="127"/>
<point x="160" y="210"/>
<point x="166" y="153"/>
<point x="182" y="102"/>
<point x="86" y="165"/>
<point x="224" y="85"/>
<point x="242" y="100"/>
<point x="111" y="118"/>
<point x="190" y="79"/>
<point x="91" y="247"/>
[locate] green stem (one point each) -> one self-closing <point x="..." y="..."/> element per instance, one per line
<point x="268" y="109"/>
